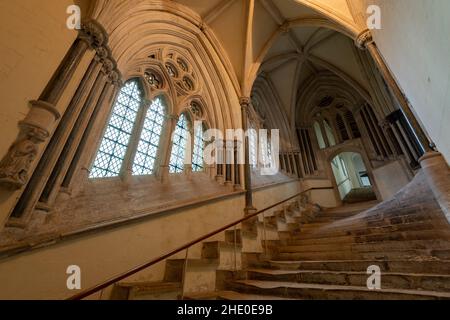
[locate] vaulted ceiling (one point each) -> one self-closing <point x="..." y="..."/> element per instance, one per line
<point x="278" y="34"/>
<point x="287" y="43"/>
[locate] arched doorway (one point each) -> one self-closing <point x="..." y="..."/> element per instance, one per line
<point x="352" y="178"/>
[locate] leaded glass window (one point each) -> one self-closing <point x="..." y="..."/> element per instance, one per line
<point x="199" y="145"/>
<point x="253" y="147"/>
<point x="180" y="139"/>
<point x="113" y="147"/>
<point x="266" y="154"/>
<point x="144" y="161"/>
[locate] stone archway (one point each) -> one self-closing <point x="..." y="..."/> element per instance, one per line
<point x="353" y="147"/>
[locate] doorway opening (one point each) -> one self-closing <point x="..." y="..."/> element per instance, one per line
<point x="352" y="178"/>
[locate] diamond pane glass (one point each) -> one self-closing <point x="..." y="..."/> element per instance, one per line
<point x="113" y="147"/>
<point x="180" y="139"/>
<point x="144" y="161"/>
<point x="253" y="147"/>
<point x="199" y="145"/>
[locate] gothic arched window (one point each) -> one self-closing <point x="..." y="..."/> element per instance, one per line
<point x="110" y="156"/>
<point x="144" y="160"/>
<point x="342" y="128"/>
<point x="179" y="146"/>
<point x="199" y="146"/>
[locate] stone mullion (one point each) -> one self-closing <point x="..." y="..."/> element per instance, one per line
<point x="188" y="156"/>
<point x="166" y="143"/>
<point x="324" y="133"/>
<point x="53" y="150"/>
<point x="347" y="127"/>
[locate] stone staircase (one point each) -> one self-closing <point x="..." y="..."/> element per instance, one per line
<point x="320" y="254"/>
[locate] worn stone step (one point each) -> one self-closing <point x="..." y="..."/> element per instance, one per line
<point x="394" y="265"/>
<point x="369" y="246"/>
<point x="389" y="280"/>
<point x="393" y="236"/>
<point x="408" y="227"/>
<point x="345" y="255"/>
<point x="362" y="225"/>
<point x="350" y="208"/>
<point x="146" y="290"/>
<point x="212" y="249"/>
<point x="229" y="295"/>
<point x="321" y="291"/>
<point x="174" y="267"/>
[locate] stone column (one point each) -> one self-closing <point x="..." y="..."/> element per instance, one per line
<point x="18" y="164"/>
<point x="220" y="160"/>
<point x="237" y="166"/>
<point x="75" y="163"/>
<point x="245" y="104"/>
<point x="229" y="162"/>
<point x="365" y="41"/>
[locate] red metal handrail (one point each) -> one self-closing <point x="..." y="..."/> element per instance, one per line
<point x="115" y="279"/>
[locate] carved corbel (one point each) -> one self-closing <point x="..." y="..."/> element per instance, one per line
<point x="364" y="39"/>
<point x="93" y="33"/>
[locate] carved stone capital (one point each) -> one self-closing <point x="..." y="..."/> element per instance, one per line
<point x="244" y="102"/>
<point x="102" y="52"/>
<point x="93" y="33"/>
<point x="363" y="39"/>
<point x="108" y="66"/>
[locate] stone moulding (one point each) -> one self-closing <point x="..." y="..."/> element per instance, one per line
<point x="363" y="39"/>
